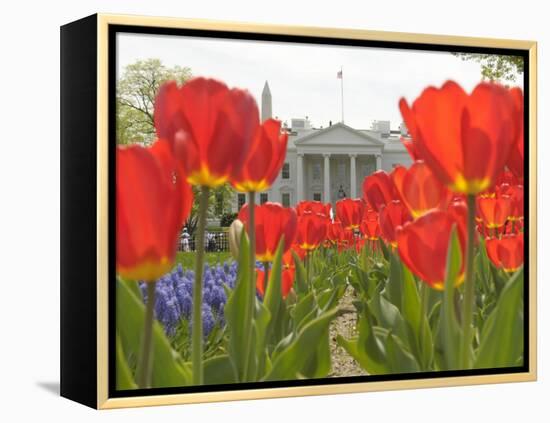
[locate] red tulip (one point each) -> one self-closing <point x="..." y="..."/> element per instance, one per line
<point x="266" y="157"/>
<point x="350" y="212"/>
<point x="287" y="281"/>
<point x="370" y="213"/>
<point x="421" y="191"/>
<point x="507" y="252"/>
<point x="464" y="139"/>
<point x="370" y="229"/>
<point x="299" y="252"/>
<point x="494" y="211"/>
<point x="334" y="231"/>
<point x="459" y="211"/>
<point x="346" y="240"/>
<point x="379" y="190"/>
<point x="392" y="216"/>
<point x="288" y="259"/>
<point x="516" y="157"/>
<point x="397" y="176"/>
<point x="210" y="127"/>
<point x="314" y="207"/>
<point x="423" y="244"/>
<point x="483" y="230"/>
<point x="515" y="193"/>
<point x="411" y="148"/>
<point x="152" y="203"/>
<point x="272" y="221"/>
<point x="507" y="177"/>
<point x="312" y="229"/>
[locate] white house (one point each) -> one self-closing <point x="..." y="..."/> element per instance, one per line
<point x="327" y="164"/>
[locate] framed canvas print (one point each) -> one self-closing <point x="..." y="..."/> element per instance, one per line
<point x="255" y="211"/>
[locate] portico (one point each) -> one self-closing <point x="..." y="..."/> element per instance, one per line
<point x="332" y="163"/>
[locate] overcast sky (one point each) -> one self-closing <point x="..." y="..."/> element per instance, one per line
<point x="303" y="78"/>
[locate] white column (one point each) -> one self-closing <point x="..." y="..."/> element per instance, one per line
<point x="326" y="195"/>
<point x="353" y="182"/>
<point x="299" y="177"/>
<point x="378" y="161"/>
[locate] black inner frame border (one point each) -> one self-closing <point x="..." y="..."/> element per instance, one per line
<point x="113" y="30"/>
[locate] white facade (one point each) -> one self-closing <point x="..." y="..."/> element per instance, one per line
<point x="331" y="163"/>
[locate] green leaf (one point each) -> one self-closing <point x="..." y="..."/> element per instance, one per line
<point x="291" y="362"/>
<point x="399" y="359"/>
<point x="301" y="280"/>
<point x="329" y="297"/>
<point x="273" y="293"/>
<point x="219" y="370"/>
<point x="319" y="365"/>
<point x="303" y="308"/>
<point x="449" y="330"/>
<point x="388" y="316"/>
<point x="484" y="268"/>
<point x="130" y="317"/>
<point x="501" y="342"/>
<point x="124" y="378"/>
<point x="395" y="282"/>
<point x="283" y="326"/>
<point x="386" y="253"/>
<point x="366" y="349"/>
<point x="420" y="333"/>
<point x="237" y="314"/>
<point x="262" y="320"/>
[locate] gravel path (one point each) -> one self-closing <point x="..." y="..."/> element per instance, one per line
<point x="345" y="325"/>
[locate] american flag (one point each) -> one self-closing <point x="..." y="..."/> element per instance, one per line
<point x="339" y="74"/>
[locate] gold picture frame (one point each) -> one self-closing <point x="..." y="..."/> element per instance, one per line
<point x="96" y="37"/>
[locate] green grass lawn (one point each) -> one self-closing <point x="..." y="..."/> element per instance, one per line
<point x="187" y="260"/>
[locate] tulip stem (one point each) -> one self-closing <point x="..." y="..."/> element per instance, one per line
<point x="266" y="276"/>
<point x="307" y="259"/>
<point x="144" y="369"/>
<point x="252" y="272"/>
<point x="196" y="352"/>
<point x="469" y="283"/>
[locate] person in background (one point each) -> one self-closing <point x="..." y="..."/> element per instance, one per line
<point x="185" y="240"/>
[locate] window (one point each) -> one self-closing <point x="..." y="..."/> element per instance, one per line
<point x="316" y="171"/>
<point x="285" y="199"/>
<point x="241" y="199"/>
<point x="316" y="196"/>
<point x="286" y="171"/>
<point x="263" y="197"/>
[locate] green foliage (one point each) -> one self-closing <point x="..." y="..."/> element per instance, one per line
<point x="168" y="368"/>
<point x="496" y="67"/>
<point x="187" y="259"/>
<point x="406" y="326"/>
<point x="238" y="319"/>
<point x="450" y="332"/>
<point x="403" y="326"/>
<point x="136" y="90"/>
<point x="124" y="377"/>
<point x="290" y="336"/>
<point x="501" y="342"/>
<point x="227" y="219"/>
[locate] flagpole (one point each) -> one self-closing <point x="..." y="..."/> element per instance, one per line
<point x="342" y="90"/>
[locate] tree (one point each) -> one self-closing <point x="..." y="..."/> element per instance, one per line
<point x="495" y="67"/>
<point x="135" y="98"/>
